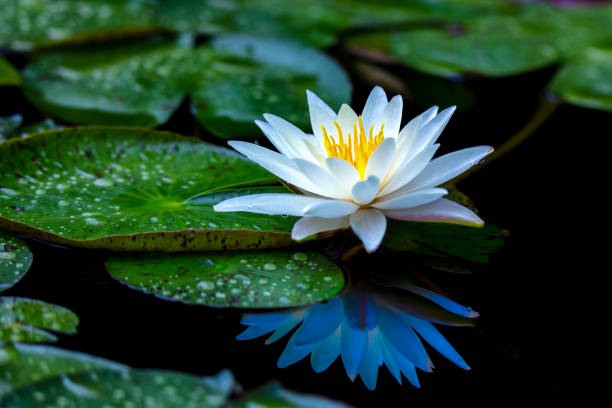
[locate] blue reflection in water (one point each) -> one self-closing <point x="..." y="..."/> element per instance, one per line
<point x="367" y="327"/>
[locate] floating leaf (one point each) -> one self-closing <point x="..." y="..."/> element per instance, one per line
<point x="35" y="363"/>
<point x="130" y="84"/>
<point x="130" y="189"/>
<point x="27" y="24"/>
<point x="8" y="74"/>
<point x="254" y="76"/>
<point x="587" y="81"/>
<point x="273" y="395"/>
<point x="260" y="279"/>
<point x="15" y="259"/>
<point x="26" y="320"/>
<point x="8" y="125"/>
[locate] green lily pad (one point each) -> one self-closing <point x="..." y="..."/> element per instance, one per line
<point x="15" y="260"/>
<point x="260" y="279"/>
<point x="8" y="74"/>
<point x="132" y="189"/>
<point x="26" y="320"/>
<point x="274" y="395"/>
<point x="28" y="24"/>
<point x="587" y="81"/>
<point x="8" y="125"/>
<point x="98" y="389"/>
<point x="254" y="76"/>
<point x="127" y="84"/>
<point x="35" y="363"/>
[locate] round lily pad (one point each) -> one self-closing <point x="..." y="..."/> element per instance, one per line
<point x="15" y="260"/>
<point x="133" y="190"/>
<point x="281" y="278"/>
<point x="34" y="363"/>
<point x="27" y="24"/>
<point x="26" y="320"/>
<point x="8" y="74"/>
<point x="99" y="389"/>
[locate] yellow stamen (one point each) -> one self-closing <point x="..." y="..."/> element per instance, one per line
<point x="356" y="149"/>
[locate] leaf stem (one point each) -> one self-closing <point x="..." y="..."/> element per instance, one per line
<point x="348" y="255"/>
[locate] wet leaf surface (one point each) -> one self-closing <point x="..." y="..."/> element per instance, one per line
<point x="26" y="320"/>
<point x="26" y="24"/>
<point x="282" y="278"/>
<point x="15" y="260"/>
<point x="130" y="189"/>
<point x="8" y="74"/>
<point x="274" y="395"/>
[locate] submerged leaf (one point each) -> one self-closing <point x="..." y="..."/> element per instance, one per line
<point x="279" y="278"/>
<point x="130" y="189"/>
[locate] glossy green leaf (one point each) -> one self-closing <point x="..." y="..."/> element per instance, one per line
<point x="15" y="260"/>
<point x="35" y="363"/>
<point x="132" y="189"/>
<point x="587" y="81"/>
<point x="8" y="74"/>
<point x="27" y="24"/>
<point x="8" y="125"/>
<point x="274" y="395"/>
<point x="127" y="84"/>
<point x="26" y="320"/>
<point x="253" y="76"/>
<point x="260" y="279"/>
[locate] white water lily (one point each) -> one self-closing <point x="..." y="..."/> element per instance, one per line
<point x="358" y="170"/>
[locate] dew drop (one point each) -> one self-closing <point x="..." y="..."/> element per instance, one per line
<point x="206" y="285"/>
<point x="269" y="267"/>
<point x="7" y="255"/>
<point x="300" y="256"/>
<point x="103" y="182"/>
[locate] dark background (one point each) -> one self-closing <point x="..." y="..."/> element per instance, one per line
<point x="529" y="341"/>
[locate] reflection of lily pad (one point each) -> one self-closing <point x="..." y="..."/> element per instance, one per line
<point x="34" y="363"/>
<point x="247" y="279"/>
<point x="26" y="320"/>
<point x="8" y="74"/>
<point x="588" y="80"/>
<point x="128" y="189"/>
<point x="26" y="24"/>
<point x="15" y="259"/>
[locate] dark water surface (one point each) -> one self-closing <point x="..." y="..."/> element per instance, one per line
<point x="528" y="303"/>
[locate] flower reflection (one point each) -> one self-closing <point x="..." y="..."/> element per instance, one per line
<point x="367" y="327"/>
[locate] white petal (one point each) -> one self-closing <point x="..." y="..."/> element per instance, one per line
<point x="380" y="161"/>
<point x="392" y="116"/>
<point x="409" y="171"/>
<point x="447" y="167"/>
<point x="331" y="208"/>
<point x="363" y="192"/>
<point x="374" y="106"/>
<point x="344" y="171"/>
<point x="441" y="210"/>
<point x="292" y="135"/>
<point x="308" y="226"/>
<point x="313" y="99"/>
<point x="320" y="117"/>
<point x="428" y="115"/>
<point x="271" y="204"/>
<point x="327" y="183"/>
<point x="370" y="226"/>
<point x="277" y="140"/>
<point x="346" y="118"/>
<point x="410" y="200"/>
<point x="430" y="132"/>
<point x="277" y="164"/>
<point x="318" y="154"/>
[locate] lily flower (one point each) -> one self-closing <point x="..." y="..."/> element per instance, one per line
<point x="359" y="170"/>
<point x="367" y="328"/>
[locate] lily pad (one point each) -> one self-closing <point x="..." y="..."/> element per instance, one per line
<point x="15" y="259"/>
<point x="35" y="363"/>
<point x="98" y="389"/>
<point x="8" y="125"/>
<point x="8" y="74"/>
<point x="131" y="189"/>
<point x="254" y="76"/>
<point x="26" y="320"/>
<point x="274" y="395"/>
<point x="587" y="81"/>
<point x="28" y="24"/>
<point x="130" y="84"/>
<point x="269" y="279"/>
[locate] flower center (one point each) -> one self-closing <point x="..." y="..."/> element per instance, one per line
<point x="356" y="148"/>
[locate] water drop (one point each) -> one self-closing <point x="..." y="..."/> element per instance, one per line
<point x="206" y="285"/>
<point x="300" y="256"/>
<point x="269" y="267"/>
<point x="103" y="182"/>
<point x="7" y="255"/>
